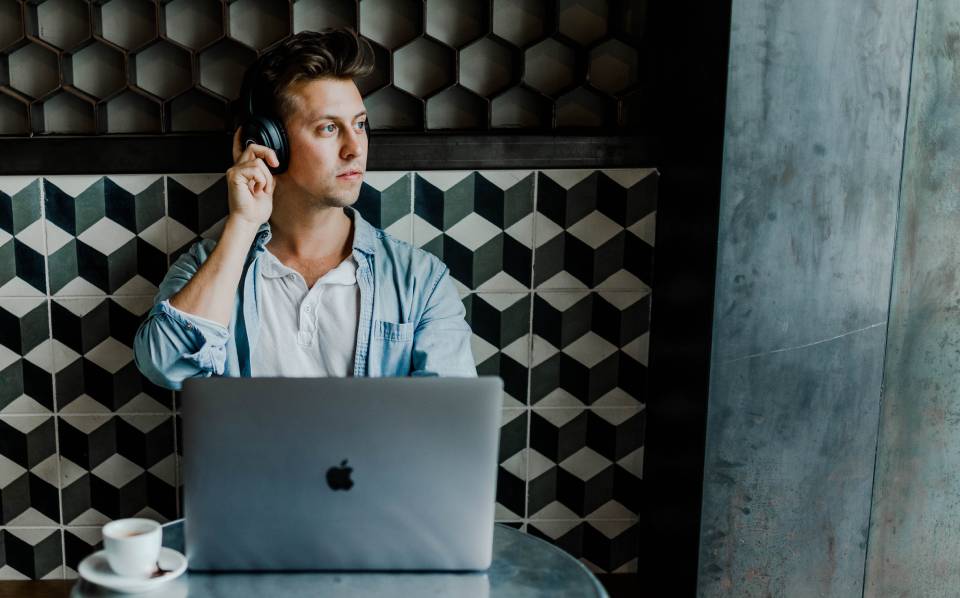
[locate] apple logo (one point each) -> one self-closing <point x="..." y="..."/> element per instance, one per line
<point x="338" y="478"/>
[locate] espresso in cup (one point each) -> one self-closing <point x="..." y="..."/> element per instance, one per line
<point x="132" y="546"/>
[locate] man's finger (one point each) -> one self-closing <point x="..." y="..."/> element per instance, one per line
<point x="261" y="151"/>
<point x="253" y="174"/>
<point x="262" y="166"/>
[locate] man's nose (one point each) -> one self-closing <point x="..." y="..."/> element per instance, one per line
<point x="353" y="145"/>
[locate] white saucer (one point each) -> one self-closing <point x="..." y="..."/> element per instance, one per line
<point x="95" y="569"/>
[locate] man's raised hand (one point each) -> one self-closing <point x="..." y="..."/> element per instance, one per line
<point x="250" y="183"/>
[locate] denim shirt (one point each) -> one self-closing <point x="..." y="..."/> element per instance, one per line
<point x="411" y="318"/>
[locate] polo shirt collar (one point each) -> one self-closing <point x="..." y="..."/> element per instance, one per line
<point x="363" y="233"/>
<point x="344" y="273"/>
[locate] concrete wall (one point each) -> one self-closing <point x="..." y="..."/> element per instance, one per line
<point x="816" y="110"/>
<point x="915" y="530"/>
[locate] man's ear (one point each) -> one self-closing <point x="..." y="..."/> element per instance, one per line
<point x="237" y="150"/>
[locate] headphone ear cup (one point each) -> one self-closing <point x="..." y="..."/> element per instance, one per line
<point x="278" y="142"/>
<point x="270" y="133"/>
<point x="283" y="148"/>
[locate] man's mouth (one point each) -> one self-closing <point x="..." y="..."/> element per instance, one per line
<point x="350" y="175"/>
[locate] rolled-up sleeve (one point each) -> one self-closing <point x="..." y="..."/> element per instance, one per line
<point x="172" y="345"/>
<point x="441" y="342"/>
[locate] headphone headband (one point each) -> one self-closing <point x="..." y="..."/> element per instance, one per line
<point x="252" y="92"/>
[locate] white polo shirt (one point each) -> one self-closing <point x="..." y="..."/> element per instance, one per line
<point x="306" y="332"/>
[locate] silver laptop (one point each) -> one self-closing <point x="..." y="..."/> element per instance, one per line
<point x="340" y="473"/>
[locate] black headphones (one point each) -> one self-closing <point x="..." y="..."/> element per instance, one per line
<point x="259" y="125"/>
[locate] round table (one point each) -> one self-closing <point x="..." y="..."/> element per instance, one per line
<point x="523" y="566"/>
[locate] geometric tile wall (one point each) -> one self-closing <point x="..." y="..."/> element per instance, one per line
<point x="99" y="67"/>
<point x="553" y="267"/>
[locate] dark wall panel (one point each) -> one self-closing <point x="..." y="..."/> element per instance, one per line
<point x="915" y="531"/>
<point x="816" y="105"/>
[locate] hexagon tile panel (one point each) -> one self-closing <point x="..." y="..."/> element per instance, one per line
<point x="137" y="66"/>
<point x="553" y="268"/>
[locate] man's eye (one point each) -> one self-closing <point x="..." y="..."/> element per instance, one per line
<point x="362" y="125"/>
<point x="328" y="129"/>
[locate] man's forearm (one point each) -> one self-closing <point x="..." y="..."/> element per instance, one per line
<point x="211" y="292"/>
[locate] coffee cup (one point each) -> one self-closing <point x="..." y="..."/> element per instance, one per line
<point x="132" y="546"/>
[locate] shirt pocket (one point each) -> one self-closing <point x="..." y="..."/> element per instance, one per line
<point x="400" y="332"/>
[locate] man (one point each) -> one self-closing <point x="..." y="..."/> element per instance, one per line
<point x="299" y="284"/>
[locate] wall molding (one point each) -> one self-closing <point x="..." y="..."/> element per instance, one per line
<point x="210" y="152"/>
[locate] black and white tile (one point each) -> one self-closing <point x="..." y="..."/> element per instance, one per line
<point x="385" y="202"/>
<point x="31" y="553"/>
<point x="28" y="471"/>
<point x="105" y="235"/>
<point x="117" y="466"/>
<point x="590" y="348"/>
<point x="595" y="229"/>
<point x="585" y="463"/>
<point x="603" y="546"/>
<point x="554" y="270"/>
<point x="501" y="340"/>
<point x="501" y="346"/>
<point x="577" y="482"/>
<point x="512" y="469"/>
<point x="22" y="250"/>
<point x="197" y="209"/>
<point x="479" y="223"/>
<point x="26" y="381"/>
<point x="78" y="543"/>
<point x="93" y="357"/>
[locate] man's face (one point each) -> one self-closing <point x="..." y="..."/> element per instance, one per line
<point x="328" y="142"/>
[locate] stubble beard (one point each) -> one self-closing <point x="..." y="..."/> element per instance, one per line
<point x="338" y="198"/>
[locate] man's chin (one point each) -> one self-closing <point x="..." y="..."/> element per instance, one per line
<point x="341" y="200"/>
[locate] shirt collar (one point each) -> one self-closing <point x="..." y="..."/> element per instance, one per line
<point x="343" y="273"/>
<point x="363" y="233"/>
<point x="271" y="267"/>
